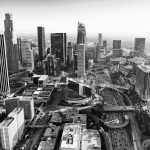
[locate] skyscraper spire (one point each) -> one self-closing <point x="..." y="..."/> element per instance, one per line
<point x="81" y="35"/>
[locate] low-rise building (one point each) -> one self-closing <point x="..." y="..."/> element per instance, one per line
<point x="43" y="80"/>
<point x="90" y="140"/>
<point x="71" y="137"/>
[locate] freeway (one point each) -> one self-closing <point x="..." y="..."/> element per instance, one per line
<point x="119" y="136"/>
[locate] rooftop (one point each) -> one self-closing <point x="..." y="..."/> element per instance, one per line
<point x="37" y="76"/>
<point x="46" y="145"/>
<point x="25" y="98"/>
<point x="43" y="77"/>
<point x="17" y="110"/>
<point x="90" y="138"/>
<point x="71" y="136"/>
<point x="144" y="68"/>
<point x="7" y="122"/>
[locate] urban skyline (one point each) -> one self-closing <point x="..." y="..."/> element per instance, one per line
<point x="113" y="18"/>
<point x="81" y="87"/>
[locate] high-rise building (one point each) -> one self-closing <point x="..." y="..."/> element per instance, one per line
<point x="27" y="55"/>
<point x="8" y="133"/>
<point x="41" y="42"/>
<point x="142" y="85"/>
<point x="69" y="53"/>
<point x="139" y="44"/>
<point x="81" y="59"/>
<point x="81" y="35"/>
<point x="12" y="51"/>
<point x="105" y="43"/>
<point x="11" y="103"/>
<point x="19" y="49"/>
<point x="75" y="62"/>
<point x="52" y="65"/>
<point x="57" y="66"/>
<point x="98" y="52"/>
<point x="28" y="104"/>
<point x="105" y="46"/>
<point x="100" y="39"/>
<point x="58" y="46"/>
<point x="4" y="78"/>
<point x="18" y="114"/>
<point x="49" y="65"/>
<point x="117" y="52"/>
<point x="99" y="46"/>
<point x="116" y="44"/>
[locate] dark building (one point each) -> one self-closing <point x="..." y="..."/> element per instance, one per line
<point x="75" y="61"/>
<point x="58" y="46"/>
<point x="11" y="103"/>
<point x="11" y="47"/>
<point x="81" y="35"/>
<point x="49" y="65"/>
<point x="41" y="42"/>
<point x="4" y="78"/>
<point x="52" y="65"/>
<point x="57" y="66"/>
<point x="105" y="44"/>
<point x="19" y="49"/>
<point x="69" y="54"/>
<point x="100" y="39"/>
<point x="74" y="86"/>
<point x="116" y="44"/>
<point x="142" y="85"/>
<point x="27" y="104"/>
<point x="139" y="44"/>
<point x="117" y="52"/>
<point x="48" y="51"/>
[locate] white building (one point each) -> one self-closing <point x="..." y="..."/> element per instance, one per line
<point x="80" y="119"/>
<point x="71" y="137"/>
<point x="81" y="59"/>
<point x="8" y="133"/>
<point x="27" y="55"/>
<point x="43" y="80"/>
<point x="90" y="140"/>
<point x="18" y="114"/>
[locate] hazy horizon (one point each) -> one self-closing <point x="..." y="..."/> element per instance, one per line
<point x="114" y="18"/>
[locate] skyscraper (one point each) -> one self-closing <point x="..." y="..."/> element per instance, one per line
<point x="19" y="49"/>
<point x="99" y="46"/>
<point x="58" y="46"/>
<point x="100" y="39"/>
<point x="27" y="55"/>
<point x="81" y="59"/>
<point x="116" y="44"/>
<point x="41" y="42"/>
<point x="139" y="44"/>
<point x="49" y="65"/>
<point x="28" y="104"/>
<point x="69" y="53"/>
<point x="4" y="78"/>
<point x="105" y="43"/>
<point x="81" y="35"/>
<point x="11" y="47"/>
<point x="142" y="85"/>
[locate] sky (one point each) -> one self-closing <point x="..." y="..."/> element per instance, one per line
<point x="130" y="18"/>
